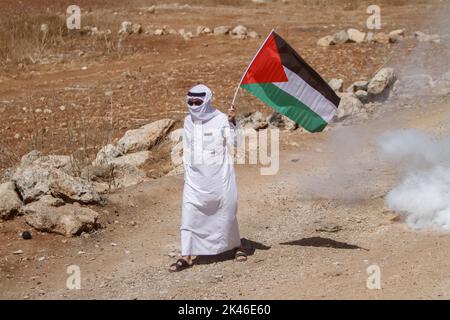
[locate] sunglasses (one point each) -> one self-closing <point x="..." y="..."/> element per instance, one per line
<point x="195" y="102"/>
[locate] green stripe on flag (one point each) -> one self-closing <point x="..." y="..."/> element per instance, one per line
<point x="286" y="104"/>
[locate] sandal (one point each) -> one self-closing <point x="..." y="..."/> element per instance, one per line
<point x="180" y="265"/>
<point x="240" y="255"/>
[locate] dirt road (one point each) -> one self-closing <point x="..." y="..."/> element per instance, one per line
<point x="312" y="230"/>
<point x="306" y="240"/>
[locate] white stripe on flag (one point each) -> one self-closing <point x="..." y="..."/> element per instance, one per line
<point x="301" y="90"/>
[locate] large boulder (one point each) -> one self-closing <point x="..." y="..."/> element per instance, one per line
<point x="108" y="176"/>
<point x="355" y="35"/>
<point x="119" y="172"/>
<point x="107" y="154"/>
<point x="348" y="105"/>
<point x="10" y="202"/>
<point x="35" y="157"/>
<point x="36" y="180"/>
<point x="119" y="165"/>
<point x="381" y="82"/>
<point x="51" y="215"/>
<point x="145" y="137"/>
<point x="135" y="159"/>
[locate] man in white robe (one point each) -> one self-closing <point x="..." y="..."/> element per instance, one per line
<point x="209" y="224"/>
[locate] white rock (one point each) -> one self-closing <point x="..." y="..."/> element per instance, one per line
<point x="132" y="159"/>
<point x="145" y="137"/>
<point x="348" y="105"/>
<point x="222" y="30"/>
<point x="68" y="220"/>
<point x="325" y="41"/>
<point x="355" y="35"/>
<point x="39" y="179"/>
<point x="199" y="30"/>
<point x="159" y="32"/>
<point x="381" y="81"/>
<point x="336" y="84"/>
<point x="239" y="30"/>
<point x="188" y="35"/>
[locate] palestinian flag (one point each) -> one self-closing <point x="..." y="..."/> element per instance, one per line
<point x="282" y="79"/>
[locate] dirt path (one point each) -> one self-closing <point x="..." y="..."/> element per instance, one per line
<point x="312" y="230"/>
<point x="311" y="234"/>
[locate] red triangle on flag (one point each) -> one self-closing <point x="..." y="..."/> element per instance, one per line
<point x="266" y="66"/>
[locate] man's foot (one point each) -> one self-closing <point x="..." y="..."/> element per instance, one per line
<point x="180" y="265"/>
<point x="240" y="255"/>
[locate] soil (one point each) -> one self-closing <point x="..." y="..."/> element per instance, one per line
<point x="311" y="230"/>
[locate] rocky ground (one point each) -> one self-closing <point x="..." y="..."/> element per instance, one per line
<point x="102" y="193"/>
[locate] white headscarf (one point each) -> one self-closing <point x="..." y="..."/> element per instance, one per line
<point x="204" y="112"/>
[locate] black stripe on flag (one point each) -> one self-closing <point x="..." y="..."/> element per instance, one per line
<point x="292" y="60"/>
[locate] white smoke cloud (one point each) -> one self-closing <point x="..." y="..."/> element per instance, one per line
<point x="423" y="195"/>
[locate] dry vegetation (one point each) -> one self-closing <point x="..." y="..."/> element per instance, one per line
<point x="49" y="102"/>
<point x="71" y="93"/>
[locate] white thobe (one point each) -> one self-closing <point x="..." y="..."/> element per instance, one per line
<point x="209" y="224"/>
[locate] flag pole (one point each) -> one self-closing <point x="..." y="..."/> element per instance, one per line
<point x="248" y="67"/>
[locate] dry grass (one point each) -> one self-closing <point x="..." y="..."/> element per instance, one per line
<point x="144" y="95"/>
<point x="21" y="37"/>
